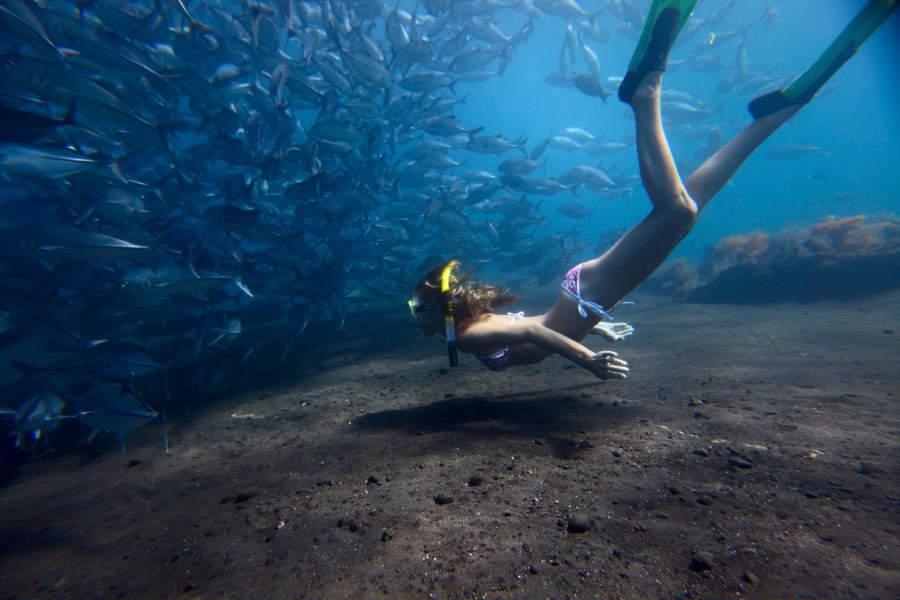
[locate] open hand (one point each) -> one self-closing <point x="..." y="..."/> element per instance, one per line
<point x="607" y="365"/>
<point x="613" y="331"/>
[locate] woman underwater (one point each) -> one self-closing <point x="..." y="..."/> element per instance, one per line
<point x="443" y="303"/>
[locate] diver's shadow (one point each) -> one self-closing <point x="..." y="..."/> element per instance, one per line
<point x="562" y="418"/>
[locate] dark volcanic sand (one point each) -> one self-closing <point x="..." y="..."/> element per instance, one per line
<point x="752" y="451"/>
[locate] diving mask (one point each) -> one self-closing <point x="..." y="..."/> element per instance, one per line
<point x="417" y="307"/>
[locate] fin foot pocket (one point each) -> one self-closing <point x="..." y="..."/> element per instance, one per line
<point x="665" y="19"/>
<point x="839" y="52"/>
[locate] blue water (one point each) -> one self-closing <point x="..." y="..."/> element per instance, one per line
<point x="858" y="120"/>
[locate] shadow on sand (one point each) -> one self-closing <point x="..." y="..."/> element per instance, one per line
<point x="537" y="414"/>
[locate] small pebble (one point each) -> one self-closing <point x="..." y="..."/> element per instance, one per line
<point x="349" y="524"/>
<point x="475" y="481"/>
<point x="442" y="499"/>
<point x="740" y="462"/>
<point x="134" y="462"/>
<point x="534" y="569"/>
<point x="617" y="452"/>
<point x="578" y="524"/>
<point x="702" y="561"/>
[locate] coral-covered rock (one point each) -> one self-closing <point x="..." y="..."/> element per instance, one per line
<point x="835" y="258"/>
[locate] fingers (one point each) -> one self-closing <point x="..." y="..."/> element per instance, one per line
<point x="614" y="372"/>
<point x="620" y="331"/>
<point x="608" y="365"/>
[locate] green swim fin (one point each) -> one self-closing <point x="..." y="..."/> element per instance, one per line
<point x="841" y="49"/>
<point x="665" y="19"/>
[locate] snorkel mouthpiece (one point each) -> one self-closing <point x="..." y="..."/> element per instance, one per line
<point x="452" y="352"/>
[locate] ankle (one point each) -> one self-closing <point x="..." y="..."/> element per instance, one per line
<point x="779" y="117"/>
<point x="649" y="90"/>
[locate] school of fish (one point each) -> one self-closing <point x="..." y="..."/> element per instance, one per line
<point x="186" y="184"/>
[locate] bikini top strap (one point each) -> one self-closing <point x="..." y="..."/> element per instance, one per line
<point x="515" y="316"/>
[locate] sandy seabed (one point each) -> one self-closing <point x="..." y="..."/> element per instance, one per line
<point x="751" y="452"/>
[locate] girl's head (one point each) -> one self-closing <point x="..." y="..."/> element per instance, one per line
<point x="433" y="297"/>
<point x="442" y="293"/>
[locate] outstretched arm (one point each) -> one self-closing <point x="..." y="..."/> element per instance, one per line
<point x="494" y="332"/>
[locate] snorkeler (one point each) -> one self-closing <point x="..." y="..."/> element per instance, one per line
<point x="463" y="311"/>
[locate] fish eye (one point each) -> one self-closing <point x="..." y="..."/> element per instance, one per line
<point x="9" y="63"/>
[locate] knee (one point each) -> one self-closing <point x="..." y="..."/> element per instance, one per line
<point x="682" y="212"/>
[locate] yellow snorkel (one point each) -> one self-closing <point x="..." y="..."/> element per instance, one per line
<point x="448" y="314"/>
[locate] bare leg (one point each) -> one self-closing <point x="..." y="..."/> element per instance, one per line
<point x="640" y="251"/>
<point x="608" y="278"/>
<point x="773" y="109"/>
<point x="713" y="174"/>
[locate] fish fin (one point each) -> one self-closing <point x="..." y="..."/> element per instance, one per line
<point x="92" y="436"/>
<point x="243" y="287"/>
<point x="69" y="119"/>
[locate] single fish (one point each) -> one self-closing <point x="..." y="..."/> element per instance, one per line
<point x="798" y="151"/>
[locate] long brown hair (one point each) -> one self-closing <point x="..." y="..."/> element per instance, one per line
<point x="462" y="299"/>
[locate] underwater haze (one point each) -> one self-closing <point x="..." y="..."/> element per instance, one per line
<point x="852" y="129"/>
<point x="190" y="189"/>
